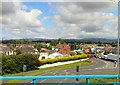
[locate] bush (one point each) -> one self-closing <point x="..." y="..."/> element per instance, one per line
<point x="14" y="63"/>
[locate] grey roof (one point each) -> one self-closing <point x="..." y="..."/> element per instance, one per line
<point x="27" y="49"/>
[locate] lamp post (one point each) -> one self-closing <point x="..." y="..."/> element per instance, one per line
<point x="118" y="58"/>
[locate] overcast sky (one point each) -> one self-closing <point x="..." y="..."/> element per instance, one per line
<point x="73" y="20"/>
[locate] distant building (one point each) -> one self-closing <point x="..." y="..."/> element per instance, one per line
<point x="92" y="49"/>
<point x="5" y="50"/>
<point x="43" y="54"/>
<point x="28" y="50"/>
<point x="115" y="50"/>
<point x="25" y="45"/>
<point x="55" y="55"/>
<point x="63" y="49"/>
<point x="100" y="49"/>
<point x="108" y="48"/>
<point x="87" y="50"/>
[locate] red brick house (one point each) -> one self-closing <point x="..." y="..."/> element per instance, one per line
<point x="63" y="48"/>
<point x="87" y="50"/>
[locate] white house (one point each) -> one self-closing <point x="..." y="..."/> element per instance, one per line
<point x="92" y="49"/>
<point x="5" y="50"/>
<point x="43" y="55"/>
<point x="9" y="52"/>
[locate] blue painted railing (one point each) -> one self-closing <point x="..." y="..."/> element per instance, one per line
<point x="87" y="77"/>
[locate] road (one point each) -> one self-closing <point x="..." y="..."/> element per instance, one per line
<point x="98" y="67"/>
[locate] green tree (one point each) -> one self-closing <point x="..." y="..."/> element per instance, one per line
<point x="61" y="41"/>
<point x="73" y="46"/>
<point x="55" y="42"/>
<point x="49" y="47"/>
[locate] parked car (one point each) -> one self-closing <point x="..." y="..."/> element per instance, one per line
<point x="105" y="56"/>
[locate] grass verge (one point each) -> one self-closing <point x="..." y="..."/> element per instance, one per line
<point x="101" y="80"/>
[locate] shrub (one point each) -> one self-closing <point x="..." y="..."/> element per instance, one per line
<point x="62" y="59"/>
<point x="14" y="63"/>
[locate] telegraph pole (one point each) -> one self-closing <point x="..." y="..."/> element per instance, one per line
<point x="118" y="57"/>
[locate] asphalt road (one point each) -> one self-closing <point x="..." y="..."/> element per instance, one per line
<point x="98" y="67"/>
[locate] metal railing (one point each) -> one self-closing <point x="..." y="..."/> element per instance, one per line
<point x="87" y="77"/>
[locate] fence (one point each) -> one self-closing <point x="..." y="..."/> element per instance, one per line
<point x="87" y="77"/>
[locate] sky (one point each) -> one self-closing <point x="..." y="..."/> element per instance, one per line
<point x="68" y="20"/>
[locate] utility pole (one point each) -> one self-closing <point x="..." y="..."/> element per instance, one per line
<point x="118" y="57"/>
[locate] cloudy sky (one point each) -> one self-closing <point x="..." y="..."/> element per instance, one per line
<point x="74" y="20"/>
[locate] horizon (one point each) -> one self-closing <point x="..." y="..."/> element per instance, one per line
<point x="57" y="38"/>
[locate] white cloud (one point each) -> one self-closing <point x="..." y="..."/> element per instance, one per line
<point x="19" y="21"/>
<point x="85" y="20"/>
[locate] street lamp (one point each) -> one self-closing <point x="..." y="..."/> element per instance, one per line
<point x="118" y="57"/>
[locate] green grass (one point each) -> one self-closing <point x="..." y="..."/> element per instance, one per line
<point x="50" y="69"/>
<point x="100" y="80"/>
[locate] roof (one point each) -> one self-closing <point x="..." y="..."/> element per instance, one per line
<point x="62" y="46"/>
<point x="27" y="49"/>
<point x="5" y="49"/>
<point x="55" y="54"/>
<point x="43" y="49"/>
<point x="115" y="50"/>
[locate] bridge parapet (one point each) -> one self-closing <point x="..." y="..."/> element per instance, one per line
<point x="87" y="77"/>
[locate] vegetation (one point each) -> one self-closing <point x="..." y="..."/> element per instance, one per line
<point x="73" y="46"/>
<point x="55" y="42"/>
<point x="49" y="69"/>
<point x="62" y="59"/>
<point x="100" y="81"/>
<point x="14" y="63"/>
<point x="21" y="41"/>
<point x="39" y="46"/>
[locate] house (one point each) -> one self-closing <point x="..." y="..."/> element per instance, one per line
<point x="87" y="50"/>
<point x="55" y="55"/>
<point x="5" y="50"/>
<point x="115" y="50"/>
<point x="43" y="54"/>
<point x="63" y="49"/>
<point x="28" y="50"/>
<point x="87" y="45"/>
<point x="92" y="49"/>
<point x="25" y="45"/>
<point x="108" y="48"/>
<point x="100" y="49"/>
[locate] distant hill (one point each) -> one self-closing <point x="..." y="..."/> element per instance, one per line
<point x="85" y="40"/>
